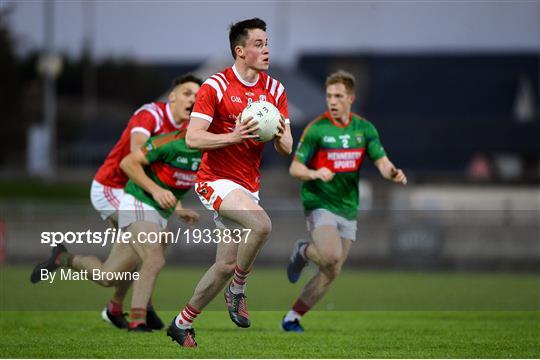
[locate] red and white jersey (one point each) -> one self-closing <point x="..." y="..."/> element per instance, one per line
<point x="150" y="119"/>
<point x="221" y="98"/>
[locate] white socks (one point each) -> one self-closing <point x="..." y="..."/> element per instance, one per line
<point x="292" y="315"/>
<point x="302" y="251"/>
<point x="237" y="289"/>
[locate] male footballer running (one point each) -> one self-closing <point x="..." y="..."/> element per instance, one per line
<point x="327" y="161"/>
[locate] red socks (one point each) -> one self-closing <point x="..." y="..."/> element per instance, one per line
<point x="114" y="308"/>
<point x="137" y="316"/>
<point x="238" y="284"/>
<point x="300" y="307"/>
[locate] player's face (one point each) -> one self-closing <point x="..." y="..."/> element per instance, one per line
<point x="182" y="99"/>
<point x="256" y="52"/>
<point x="339" y="101"/>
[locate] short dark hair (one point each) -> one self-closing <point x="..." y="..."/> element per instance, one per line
<point x="342" y="77"/>
<point x="189" y="77"/>
<point x="238" y="32"/>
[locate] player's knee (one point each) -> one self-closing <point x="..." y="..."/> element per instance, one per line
<point x="262" y="228"/>
<point x="224" y="269"/>
<point x="331" y="260"/>
<point x="335" y="271"/>
<point x="331" y="272"/>
<point x="154" y="263"/>
<point x="159" y="262"/>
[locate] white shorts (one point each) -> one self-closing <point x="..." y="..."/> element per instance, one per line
<point x="132" y="210"/>
<point x="105" y="199"/>
<point x="319" y="217"/>
<point x="212" y="193"/>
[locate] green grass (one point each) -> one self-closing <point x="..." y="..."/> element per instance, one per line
<point x="334" y="334"/>
<point x="386" y="314"/>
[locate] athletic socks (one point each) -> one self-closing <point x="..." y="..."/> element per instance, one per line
<point x="114" y="308"/>
<point x="299" y="309"/>
<point x="184" y="319"/>
<point x="63" y="259"/>
<point x="292" y="315"/>
<point x="137" y="316"/>
<point x="303" y="251"/>
<point x="238" y="284"/>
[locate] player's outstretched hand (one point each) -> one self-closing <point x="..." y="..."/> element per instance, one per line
<point x="191" y="217"/>
<point x="324" y="174"/>
<point x="164" y="198"/>
<point x="399" y="177"/>
<point x="244" y="130"/>
<point x="281" y="127"/>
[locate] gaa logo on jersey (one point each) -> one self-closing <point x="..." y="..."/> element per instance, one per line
<point x="182" y="160"/>
<point x="149" y="147"/>
<point x="359" y="137"/>
<point x="329" y="139"/>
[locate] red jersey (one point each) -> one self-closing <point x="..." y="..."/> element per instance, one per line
<point x="151" y="119"/>
<point x="220" y="99"/>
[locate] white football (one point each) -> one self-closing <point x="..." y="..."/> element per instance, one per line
<point x="268" y="117"/>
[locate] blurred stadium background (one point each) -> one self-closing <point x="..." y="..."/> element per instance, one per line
<point x="453" y="88"/>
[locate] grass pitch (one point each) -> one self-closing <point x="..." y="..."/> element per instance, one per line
<point x="335" y="334"/>
<point x="374" y="315"/>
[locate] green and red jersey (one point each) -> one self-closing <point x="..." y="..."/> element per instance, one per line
<point x="341" y="148"/>
<point x="173" y="166"/>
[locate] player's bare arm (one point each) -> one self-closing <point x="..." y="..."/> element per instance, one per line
<point x="133" y="166"/>
<point x="137" y="139"/>
<point x="390" y="172"/>
<point x="283" y="141"/>
<point x="191" y="217"/>
<point x="303" y="173"/>
<point x="198" y="136"/>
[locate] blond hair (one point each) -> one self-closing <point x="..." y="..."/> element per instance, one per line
<point x="342" y="77"/>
